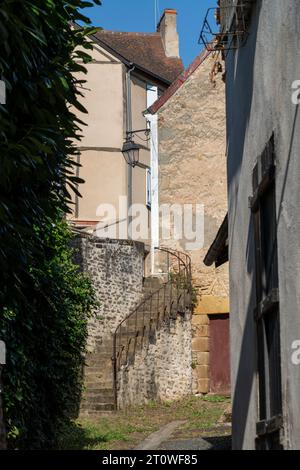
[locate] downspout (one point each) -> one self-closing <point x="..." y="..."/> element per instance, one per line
<point x="129" y="129"/>
<point x="129" y="204"/>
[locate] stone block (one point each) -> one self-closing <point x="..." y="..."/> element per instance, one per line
<point x="200" y="344"/>
<point x="202" y="372"/>
<point x="200" y="320"/>
<point x="211" y="304"/>
<point x="201" y="330"/>
<point x="203" y="386"/>
<point x="201" y="358"/>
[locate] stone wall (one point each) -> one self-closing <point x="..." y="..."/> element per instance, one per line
<point x="116" y="268"/>
<point x="192" y="169"/>
<point x="162" y="369"/>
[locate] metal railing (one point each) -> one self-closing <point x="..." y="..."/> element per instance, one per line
<point x="175" y="296"/>
<point x="226" y="27"/>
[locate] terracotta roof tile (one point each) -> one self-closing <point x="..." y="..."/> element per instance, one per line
<point x="145" y="50"/>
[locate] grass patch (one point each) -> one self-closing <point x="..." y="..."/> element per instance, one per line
<point x="216" y="398"/>
<point x="85" y="435"/>
<point x="125" y="429"/>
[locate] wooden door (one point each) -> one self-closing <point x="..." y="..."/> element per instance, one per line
<point x="219" y="354"/>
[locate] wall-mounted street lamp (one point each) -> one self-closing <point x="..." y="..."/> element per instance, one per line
<point x="131" y="150"/>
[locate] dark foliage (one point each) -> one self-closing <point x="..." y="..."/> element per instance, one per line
<point x="38" y="129"/>
<point x="44" y="300"/>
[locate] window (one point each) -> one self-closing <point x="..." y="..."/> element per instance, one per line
<point x="267" y="312"/>
<point x="148" y="188"/>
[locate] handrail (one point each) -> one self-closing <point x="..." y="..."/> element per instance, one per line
<point x="161" y="303"/>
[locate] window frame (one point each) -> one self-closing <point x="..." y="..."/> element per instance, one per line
<point x="148" y="188"/>
<point x="270" y="424"/>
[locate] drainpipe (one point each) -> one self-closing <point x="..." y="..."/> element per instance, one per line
<point x="129" y="129"/>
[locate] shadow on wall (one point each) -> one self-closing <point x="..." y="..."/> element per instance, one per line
<point x="246" y="369"/>
<point x="245" y="376"/>
<point x="242" y="84"/>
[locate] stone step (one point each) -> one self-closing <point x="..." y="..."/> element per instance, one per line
<point x="133" y="334"/>
<point x="148" y="292"/>
<point x="106" y="377"/>
<point x="97" y="399"/>
<point x="95" y="382"/>
<point x="91" y="408"/>
<point x="154" y="307"/>
<point x="99" y="372"/>
<point x="92" y="402"/>
<point x="140" y="318"/>
<point x="103" y="345"/>
<point x="98" y="361"/>
<point x="96" y="385"/>
<point x="103" y="392"/>
<point x="152" y="281"/>
<point x="97" y="378"/>
<point x="87" y="414"/>
<point x="98" y="365"/>
<point x="103" y="354"/>
<point x="98" y="368"/>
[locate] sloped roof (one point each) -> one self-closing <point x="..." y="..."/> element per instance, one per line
<point x="145" y="50"/>
<point x="218" y="251"/>
<point x="178" y="82"/>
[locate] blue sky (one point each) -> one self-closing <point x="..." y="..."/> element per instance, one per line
<point x="138" y="15"/>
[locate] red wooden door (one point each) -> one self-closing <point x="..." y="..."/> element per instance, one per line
<point x="219" y="354"/>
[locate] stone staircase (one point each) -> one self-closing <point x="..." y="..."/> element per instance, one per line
<point x="98" y="395"/>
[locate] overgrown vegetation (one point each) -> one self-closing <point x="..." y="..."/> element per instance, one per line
<point x="181" y="282"/>
<point x="44" y="300"/>
<point x="46" y="339"/>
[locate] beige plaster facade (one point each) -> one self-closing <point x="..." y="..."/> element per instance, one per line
<point x="127" y="73"/>
<point x="103" y="167"/>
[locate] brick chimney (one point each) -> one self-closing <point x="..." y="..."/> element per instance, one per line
<point x="167" y="27"/>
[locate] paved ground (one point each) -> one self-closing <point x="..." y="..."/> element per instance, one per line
<point x="167" y="438"/>
<point x="208" y="443"/>
<point x="163" y="434"/>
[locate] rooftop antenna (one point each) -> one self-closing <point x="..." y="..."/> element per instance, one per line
<point x="156" y="9"/>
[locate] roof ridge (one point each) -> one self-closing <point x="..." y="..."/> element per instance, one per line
<point x="128" y="32"/>
<point x="145" y="50"/>
<point x="179" y="81"/>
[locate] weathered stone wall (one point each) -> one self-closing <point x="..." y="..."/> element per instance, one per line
<point x="116" y="268"/>
<point x="162" y="369"/>
<point x="192" y="169"/>
<point x="259" y="87"/>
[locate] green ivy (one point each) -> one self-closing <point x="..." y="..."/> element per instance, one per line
<point x="41" y="55"/>
<point x="46" y="341"/>
<point x="45" y="301"/>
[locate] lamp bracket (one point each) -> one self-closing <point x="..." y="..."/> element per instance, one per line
<point x="130" y="134"/>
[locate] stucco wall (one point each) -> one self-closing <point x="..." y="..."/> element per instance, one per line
<point x="259" y="88"/>
<point x="192" y="170"/>
<point x="116" y="268"/>
<point x="104" y="170"/>
<point x="162" y="370"/>
<point x="103" y="99"/>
